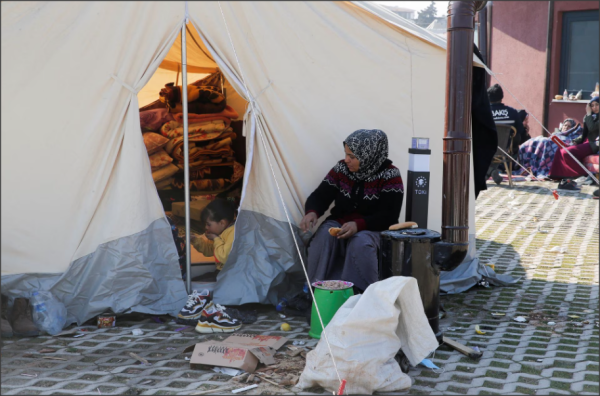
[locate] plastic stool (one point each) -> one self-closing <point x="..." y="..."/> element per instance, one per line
<point x="329" y="302"/>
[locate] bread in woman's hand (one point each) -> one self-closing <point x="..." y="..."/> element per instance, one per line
<point x="406" y="224"/>
<point x="334" y="231"/>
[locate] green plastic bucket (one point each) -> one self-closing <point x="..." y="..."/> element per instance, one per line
<point x="329" y="302"/>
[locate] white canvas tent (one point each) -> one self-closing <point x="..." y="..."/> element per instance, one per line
<point x="80" y="212"/>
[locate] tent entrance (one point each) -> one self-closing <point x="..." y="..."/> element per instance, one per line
<point x="217" y="145"/>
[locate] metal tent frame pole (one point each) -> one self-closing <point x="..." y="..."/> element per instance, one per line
<point x="186" y="159"/>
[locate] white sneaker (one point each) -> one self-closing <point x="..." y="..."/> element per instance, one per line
<point x="214" y="319"/>
<point x="194" y="305"/>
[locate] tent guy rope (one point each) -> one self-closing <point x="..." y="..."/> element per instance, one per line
<point x="252" y="101"/>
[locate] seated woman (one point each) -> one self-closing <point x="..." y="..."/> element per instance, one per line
<point x="368" y="191"/>
<point x="538" y="153"/>
<point x="525" y="120"/>
<point x="563" y="165"/>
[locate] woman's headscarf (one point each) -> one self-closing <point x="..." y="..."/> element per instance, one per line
<point x="370" y="146"/>
<point x="570" y="121"/>
<point x="594" y="99"/>
<point x="523" y="114"/>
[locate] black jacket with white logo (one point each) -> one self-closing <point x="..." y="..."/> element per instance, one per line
<point x="507" y="115"/>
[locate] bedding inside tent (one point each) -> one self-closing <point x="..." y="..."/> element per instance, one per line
<point x="301" y="76"/>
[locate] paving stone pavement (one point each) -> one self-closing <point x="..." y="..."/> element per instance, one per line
<point x="517" y="228"/>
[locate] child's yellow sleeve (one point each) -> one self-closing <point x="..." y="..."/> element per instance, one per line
<point x="223" y="244"/>
<point x="204" y="246"/>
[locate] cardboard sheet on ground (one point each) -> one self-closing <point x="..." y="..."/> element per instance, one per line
<point x="241" y="351"/>
<point x="366" y="333"/>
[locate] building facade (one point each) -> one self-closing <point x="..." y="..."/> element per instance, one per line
<point x="538" y="49"/>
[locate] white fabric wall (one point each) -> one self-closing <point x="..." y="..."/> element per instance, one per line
<point x="75" y="172"/>
<point x="331" y="68"/>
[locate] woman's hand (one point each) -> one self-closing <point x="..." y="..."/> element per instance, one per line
<point x="308" y="221"/>
<point x="588" y="109"/>
<point x="348" y="229"/>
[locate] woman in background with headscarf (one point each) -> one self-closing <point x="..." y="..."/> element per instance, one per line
<point x="563" y="166"/>
<point x="525" y="120"/>
<point x="368" y="191"/>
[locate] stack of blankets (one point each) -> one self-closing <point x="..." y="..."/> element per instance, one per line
<point x="212" y="163"/>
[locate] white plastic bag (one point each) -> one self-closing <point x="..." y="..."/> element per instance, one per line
<point x="366" y="333"/>
<point x="49" y="314"/>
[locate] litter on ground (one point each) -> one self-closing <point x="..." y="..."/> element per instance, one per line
<point x="558" y="249"/>
<point x="244" y="389"/>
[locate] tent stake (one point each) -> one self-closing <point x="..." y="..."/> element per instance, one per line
<point x="186" y="159"/>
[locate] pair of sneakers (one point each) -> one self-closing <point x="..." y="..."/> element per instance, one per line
<point x="568" y="184"/>
<point x="208" y="316"/>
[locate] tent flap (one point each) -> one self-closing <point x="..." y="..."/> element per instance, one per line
<point x="136" y="273"/>
<point x="266" y="262"/>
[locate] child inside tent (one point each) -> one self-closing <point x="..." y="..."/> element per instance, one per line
<point x="218" y="220"/>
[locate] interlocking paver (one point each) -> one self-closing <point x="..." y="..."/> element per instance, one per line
<point x="518" y="358"/>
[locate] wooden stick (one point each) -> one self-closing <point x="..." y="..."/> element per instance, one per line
<point x="268" y="380"/>
<point x="138" y="357"/>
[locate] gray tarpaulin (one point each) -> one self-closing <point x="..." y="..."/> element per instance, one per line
<point x="137" y="273"/>
<point x="471" y="271"/>
<point x="263" y="264"/>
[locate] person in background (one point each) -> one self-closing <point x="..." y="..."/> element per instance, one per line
<point x="525" y="120"/>
<point x="563" y="166"/>
<point x="504" y="114"/>
<point x="483" y="128"/>
<point x="368" y="191"/>
<point x="538" y="153"/>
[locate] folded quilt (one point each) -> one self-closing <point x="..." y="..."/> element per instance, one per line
<point x="160" y="159"/>
<point x="229" y="112"/>
<point x="174" y="129"/>
<point x="152" y="120"/>
<point x="196" y="154"/>
<point x="196" y="151"/>
<point x="203" y="163"/>
<point x="154" y="141"/>
<point x="238" y="172"/>
<point x="203" y="137"/>
<point x="221" y="148"/>
<point x="164" y="173"/>
<point x="164" y="183"/>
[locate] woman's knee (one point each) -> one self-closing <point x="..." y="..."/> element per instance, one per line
<point x="362" y="240"/>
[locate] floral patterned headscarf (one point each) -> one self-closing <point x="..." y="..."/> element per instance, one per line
<point x="370" y="146"/>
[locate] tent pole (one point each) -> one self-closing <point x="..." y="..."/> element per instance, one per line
<point x="186" y="160"/>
